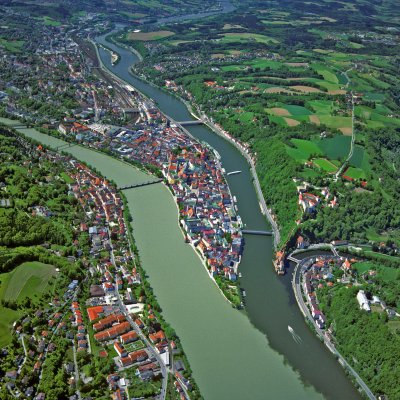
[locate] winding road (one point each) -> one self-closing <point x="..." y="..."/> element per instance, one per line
<point x="353" y="134"/>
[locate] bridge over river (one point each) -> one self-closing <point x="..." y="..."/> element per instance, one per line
<point x="136" y="185"/>
<point x="190" y="123"/>
<point x="252" y="232"/>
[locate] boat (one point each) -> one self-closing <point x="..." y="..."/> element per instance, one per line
<point x="234" y="172"/>
<point x="290" y="329"/>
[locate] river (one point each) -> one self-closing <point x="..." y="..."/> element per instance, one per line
<point x="234" y="355"/>
<point x="270" y="302"/>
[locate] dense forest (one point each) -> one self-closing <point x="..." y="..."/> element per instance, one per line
<point x="364" y="339"/>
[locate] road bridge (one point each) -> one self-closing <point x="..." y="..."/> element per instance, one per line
<point x="263" y="233"/>
<point x="136" y="185"/>
<point x="189" y="123"/>
<point x="65" y="146"/>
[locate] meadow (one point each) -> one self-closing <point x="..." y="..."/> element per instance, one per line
<point x="30" y="279"/>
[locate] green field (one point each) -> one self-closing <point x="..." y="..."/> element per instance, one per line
<point x="66" y="178"/>
<point x="355" y="173"/>
<point x="8" y="317"/>
<point x="49" y="21"/>
<point x="326" y="72"/>
<point x="303" y="150"/>
<point x="326" y="165"/>
<point x="335" y="148"/>
<point x="297" y="110"/>
<point x="321" y="106"/>
<point x="386" y="273"/>
<point x="27" y="280"/>
<point x="13" y="46"/>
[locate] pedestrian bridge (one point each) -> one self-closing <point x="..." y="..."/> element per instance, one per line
<point x="189" y="123"/>
<point x="263" y="233"/>
<point x="135" y="185"/>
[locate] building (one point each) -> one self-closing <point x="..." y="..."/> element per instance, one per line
<point x="129" y="337"/>
<point x="363" y="301"/>
<point x="120" y="349"/>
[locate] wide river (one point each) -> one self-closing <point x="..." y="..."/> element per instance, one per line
<point x="234" y="355"/>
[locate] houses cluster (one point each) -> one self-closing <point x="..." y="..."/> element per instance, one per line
<point x="207" y="209"/>
<point x="308" y="200"/>
<point x="77" y="321"/>
<point x="318" y="271"/>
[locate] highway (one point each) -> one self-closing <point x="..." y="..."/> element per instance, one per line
<point x="301" y="267"/>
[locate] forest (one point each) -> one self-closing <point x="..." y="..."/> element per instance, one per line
<point x="364" y="339"/>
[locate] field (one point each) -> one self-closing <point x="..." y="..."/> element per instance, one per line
<point x="240" y="37"/>
<point x="355" y="173"/>
<point x="49" y="21"/>
<point x="326" y="165"/>
<point x="7" y="319"/>
<point x="29" y="279"/>
<point x="12" y="45"/>
<point x="66" y="178"/>
<point x="149" y="36"/>
<point x="304" y="150"/>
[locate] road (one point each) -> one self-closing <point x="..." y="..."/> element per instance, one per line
<point x="296" y="283"/>
<point x="353" y="135"/>
<point x="150" y="348"/>
<point x="76" y="370"/>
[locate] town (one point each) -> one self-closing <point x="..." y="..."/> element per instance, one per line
<point x="107" y="316"/>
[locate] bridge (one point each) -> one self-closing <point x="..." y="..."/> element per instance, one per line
<point x="65" y="146"/>
<point x="136" y="185"/>
<point x="189" y="123"/>
<point x="263" y="233"/>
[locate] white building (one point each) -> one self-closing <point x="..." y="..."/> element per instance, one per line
<point x="363" y="301"/>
